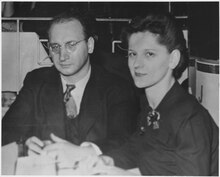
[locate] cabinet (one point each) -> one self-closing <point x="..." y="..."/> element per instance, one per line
<point x="207" y="85"/>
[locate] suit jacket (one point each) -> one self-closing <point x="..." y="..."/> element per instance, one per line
<point x="186" y="142"/>
<point x="107" y="113"/>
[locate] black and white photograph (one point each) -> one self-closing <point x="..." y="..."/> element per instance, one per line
<point x="110" y="88"/>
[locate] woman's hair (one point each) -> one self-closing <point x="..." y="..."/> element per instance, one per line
<point x="86" y="19"/>
<point x="169" y="35"/>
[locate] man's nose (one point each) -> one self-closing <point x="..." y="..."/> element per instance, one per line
<point x="64" y="55"/>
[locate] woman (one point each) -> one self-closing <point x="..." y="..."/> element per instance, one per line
<point x="176" y="135"/>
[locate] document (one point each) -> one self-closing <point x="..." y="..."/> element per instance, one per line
<point x="36" y="165"/>
<point x="9" y="158"/>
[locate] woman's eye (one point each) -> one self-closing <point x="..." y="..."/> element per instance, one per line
<point x="131" y="54"/>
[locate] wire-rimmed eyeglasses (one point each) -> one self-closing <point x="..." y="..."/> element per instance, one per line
<point x="70" y="46"/>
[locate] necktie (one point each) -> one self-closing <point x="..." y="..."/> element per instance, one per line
<point x="71" y="110"/>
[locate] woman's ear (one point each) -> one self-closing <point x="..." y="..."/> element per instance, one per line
<point x="91" y="44"/>
<point x="174" y="59"/>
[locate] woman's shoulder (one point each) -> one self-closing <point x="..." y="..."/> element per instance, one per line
<point x="189" y="105"/>
<point x="185" y="103"/>
<point x="187" y="109"/>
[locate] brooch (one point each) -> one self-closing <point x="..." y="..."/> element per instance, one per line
<point x="153" y="118"/>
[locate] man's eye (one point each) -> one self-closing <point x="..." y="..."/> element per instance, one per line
<point x="55" y="46"/>
<point x="71" y="44"/>
<point x="149" y="54"/>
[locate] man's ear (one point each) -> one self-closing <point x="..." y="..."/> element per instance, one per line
<point x="174" y="59"/>
<point x="91" y="44"/>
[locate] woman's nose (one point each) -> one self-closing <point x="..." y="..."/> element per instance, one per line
<point x="138" y="62"/>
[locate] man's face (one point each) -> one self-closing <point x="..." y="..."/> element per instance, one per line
<point x="71" y="58"/>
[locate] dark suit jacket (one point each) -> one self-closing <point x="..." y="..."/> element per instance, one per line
<point x="107" y="113"/>
<point x="185" y="144"/>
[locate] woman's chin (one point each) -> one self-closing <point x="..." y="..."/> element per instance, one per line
<point x="140" y="85"/>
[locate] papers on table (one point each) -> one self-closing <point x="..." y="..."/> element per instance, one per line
<point x="46" y="165"/>
<point x="36" y="165"/>
<point x="9" y="157"/>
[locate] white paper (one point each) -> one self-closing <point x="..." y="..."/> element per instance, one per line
<point x="36" y="165"/>
<point x="9" y="158"/>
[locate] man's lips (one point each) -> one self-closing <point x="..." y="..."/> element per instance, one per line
<point x="65" y="65"/>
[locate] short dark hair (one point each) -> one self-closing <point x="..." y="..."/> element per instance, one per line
<point x="86" y="18"/>
<point x="170" y="35"/>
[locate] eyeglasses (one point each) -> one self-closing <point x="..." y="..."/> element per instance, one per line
<point x="70" y="46"/>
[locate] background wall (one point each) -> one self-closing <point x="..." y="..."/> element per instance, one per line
<point x="201" y="19"/>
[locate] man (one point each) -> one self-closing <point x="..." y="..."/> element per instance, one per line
<point x="105" y="105"/>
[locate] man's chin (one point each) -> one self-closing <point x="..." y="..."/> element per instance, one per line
<point x="67" y="72"/>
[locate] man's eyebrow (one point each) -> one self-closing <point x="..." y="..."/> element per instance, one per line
<point x="72" y="41"/>
<point x="64" y="42"/>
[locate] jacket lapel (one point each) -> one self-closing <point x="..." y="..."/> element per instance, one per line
<point x="90" y="106"/>
<point x="53" y="106"/>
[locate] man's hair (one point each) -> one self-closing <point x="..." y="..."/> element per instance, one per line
<point x="169" y="35"/>
<point x="86" y="19"/>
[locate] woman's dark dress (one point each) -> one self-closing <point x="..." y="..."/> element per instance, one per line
<point x="186" y="142"/>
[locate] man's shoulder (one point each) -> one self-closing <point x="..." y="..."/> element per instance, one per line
<point x="43" y="70"/>
<point x="107" y="78"/>
<point x="44" y="73"/>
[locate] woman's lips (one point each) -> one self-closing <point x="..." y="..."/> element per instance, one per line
<point x="139" y="74"/>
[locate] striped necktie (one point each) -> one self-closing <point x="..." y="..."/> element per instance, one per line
<point x="71" y="109"/>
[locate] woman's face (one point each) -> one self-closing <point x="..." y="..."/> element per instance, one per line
<point x="148" y="60"/>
